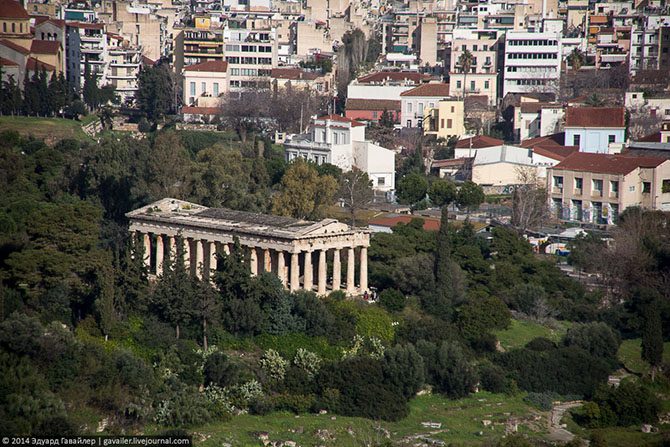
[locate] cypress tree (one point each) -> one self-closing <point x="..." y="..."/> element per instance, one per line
<point x="652" y="336"/>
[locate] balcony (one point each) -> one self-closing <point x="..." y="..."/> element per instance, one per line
<point x="557" y="190"/>
<point x="614" y="194"/>
<point x="578" y="191"/>
<point x="596" y="193"/>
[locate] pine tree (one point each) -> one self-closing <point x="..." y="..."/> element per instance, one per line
<point x="42" y="88"/>
<point x="90" y="89"/>
<point x="56" y="94"/>
<point x="652" y="336"/>
<point x="31" y="100"/>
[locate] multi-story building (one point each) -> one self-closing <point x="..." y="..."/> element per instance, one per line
<point x="482" y="78"/>
<point x="385" y="85"/>
<point x="251" y="52"/>
<point x="532" y="62"/>
<point x="416" y="101"/>
<point x="204" y="83"/>
<point x="196" y="45"/>
<point x="341" y="141"/>
<point x="595" y="129"/>
<point x="86" y="50"/>
<point x="596" y="188"/>
<point x="123" y="67"/>
<point x="446" y="120"/>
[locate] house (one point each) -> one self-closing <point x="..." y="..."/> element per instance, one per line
<point x="372" y="109"/>
<point x="303" y="79"/>
<point x="537" y="119"/>
<point x="446" y="120"/>
<point x="595" y="188"/>
<point x="414" y="102"/>
<point x="341" y="141"/>
<point x="204" y="83"/>
<point x="595" y="129"/>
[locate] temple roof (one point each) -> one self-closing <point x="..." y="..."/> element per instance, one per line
<point x="182" y="213"/>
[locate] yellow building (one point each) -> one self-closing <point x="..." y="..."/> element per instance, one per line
<point x="446" y="120"/>
<point x="15" y="23"/>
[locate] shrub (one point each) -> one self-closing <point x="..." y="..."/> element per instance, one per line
<point x="543" y="401"/>
<point x="492" y="378"/>
<point x="261" y="406"/>
<point x="597" y="338"/>
<point x="307" y="361"/>
<point x="220" y="370"/>
<point x="540" y="344"/>
<point x="144" y="125"/>
<point x="296" y="403"/>
<point x="392" y="299"/>
<point x="274" y="365"/>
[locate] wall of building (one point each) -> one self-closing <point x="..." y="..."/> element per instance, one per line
<point x="593" y="140"/>
<point x="199" y="83"/>
<point x="551" y="121"/>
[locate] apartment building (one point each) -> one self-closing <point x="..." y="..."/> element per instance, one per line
<point x="532" y="62"/>
<point x="341" y="141"/>
<point x="482" y="78"/>
<point x="205" y="83"/>
<point x="595" y="129"/>
<point x="596" y="188"/>
<point x="86" y="47"/>
<point x="385" y="85"/>
<point x="124" y="61"/>
<point x="251" y="51"/>
<point x="446" y="120"/>
<point x="195" y="45"/>
<point x="415" y="102"/>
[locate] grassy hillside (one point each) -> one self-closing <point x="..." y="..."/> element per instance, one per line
<point x="521" y="332"/>
<point x="461" y="424"/>
<point x="630" y="354"/>
<point x="49" y="129"/>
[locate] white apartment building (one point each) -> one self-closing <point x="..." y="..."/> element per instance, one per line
<point x="251" y="50"/>
<point x="86" y="46"/>
<point x="123" y="67"/>
<point x="341" y="141"/>
<point x="482" y="78"/>
<point x="532" y="62"/>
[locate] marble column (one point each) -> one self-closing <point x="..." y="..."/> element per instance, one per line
<point x="267" y="261"/>
<point x="351" y="288"/>
<point x="171" y="248"/>
<point x="309" y="276"/>
<point x="212" y="258"/>
<point x="199" y="257"/>
<point x="295" y="272"/>
<point x="281" y="267"/>
<point x="226" y="248"/>
<point x="253" y="261"/>
<point x="187" y="255"/>
<point x="364" y="269"/>
<point x="147" y="251"/>
<point x="321" y="286"/>
<point x="159" y="254"/>
<point x="337" y="269"/>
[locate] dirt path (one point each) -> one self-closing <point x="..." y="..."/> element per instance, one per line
<point x="556" y="432"/>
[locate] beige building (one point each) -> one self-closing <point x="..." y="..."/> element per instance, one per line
<point x="303" y="254"/>
<point x="205" y="83"/>
<point x="595" y="188"/>
<point x="482" y="77"/>
<point x="446" y="120"/>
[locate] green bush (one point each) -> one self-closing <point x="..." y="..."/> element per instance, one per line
<point x="296" y="403"/>
<point x="392" y="299"/>
<point x="543" y="401"/>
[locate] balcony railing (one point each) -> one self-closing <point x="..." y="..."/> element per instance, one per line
<point x="578" y="191"/>
<point x="596" y="193"/>
<point x="557" y="190"/>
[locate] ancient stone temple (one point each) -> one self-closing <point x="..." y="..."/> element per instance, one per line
<point x="303" y="254"/>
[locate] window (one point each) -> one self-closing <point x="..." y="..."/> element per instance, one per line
<point x="13" y="27"/>
<point x="381" y="181"/>
<point x="558" y="181"/>
<point x="449" y="123"/>
<point x="375" y="115"/>
<point x="472" y="86"/>
<point x="192" y="88"/>
<point x="452" y="109"/>
<point x="597" y="187"/>
<point x="216" y="89"/>
<point x="631" y="189"/>
<point x="442" y="123"/>
<point x="409" y="123"/>
<point x="576" y="140"/>
<point x="579" y="183"/>
<point x="432" y="105"/>
<point x="578" y="213"/>
<point x="336" y="138"/>
<point x="665" y="188"/>
<point x="409" y="107"/>
<point x="420" y="110"/>
<point x="646" y="187"/>
<point x="203" y="87"/>
<point x="614" y="186"/>
<point x="458" y="84"/>
<point x="474" y="47"/>
<point x="611" y="138"/>
<point x="486" y="85"/>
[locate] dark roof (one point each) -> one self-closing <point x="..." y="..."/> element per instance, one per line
<point x="595" y="117"/>
<point x="372" y="104"/>
<point x="293" y="74"/>
<point x="210" y="66"/>
<point x="200" y="110"/>
<point x="253" y="218"/>
<point x="37" y="65"/>
<point x="86" y="25"/>
<point x="7" y="63"/>
<point x="431" y="89"/>
<point x="46" y="19"/>
<point x="556" y="152"/>
<point x="15" y="47"/>
<point x="555" y="139"/>
<point x="11" y="9"/>
<point x="651" y="138"/>
<point x="606" y="163"/>
<point x="478" y="142"/>
<point x="429" y="223"/>
<point x="396" y="76"/>
<point x="340" y="119"/>
<point x="451" y="162"/>
<point x="45" y="47"/>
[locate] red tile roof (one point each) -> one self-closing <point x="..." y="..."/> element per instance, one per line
<point x="45" y="47"/>
<point x="46" y="19"/>
<point x="478" y="142"/>
<point x="595" y="117"/>
<point x="395" y="76"/>
<point x="651" y="138"/>
<point x="7" y="63"/>
<point x="200" y="110"/>
<point x="36" y="65"/>
<point x="429" y="223"/>
<point x="606" y="163"/>
<point x="293" y="74"/>
<point x="340" y="119"/>
<point x="11" y="9"/>
<point x="210" y="66"/>
<point x="372" y="104"/>
<point x="15" y="47"/>
<point x="86" y="25"/>
<point x="555" y="139"/>
<point x="556" y="152"/>
<point x="451" y="162"/>
<point x="431" y="89"/>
